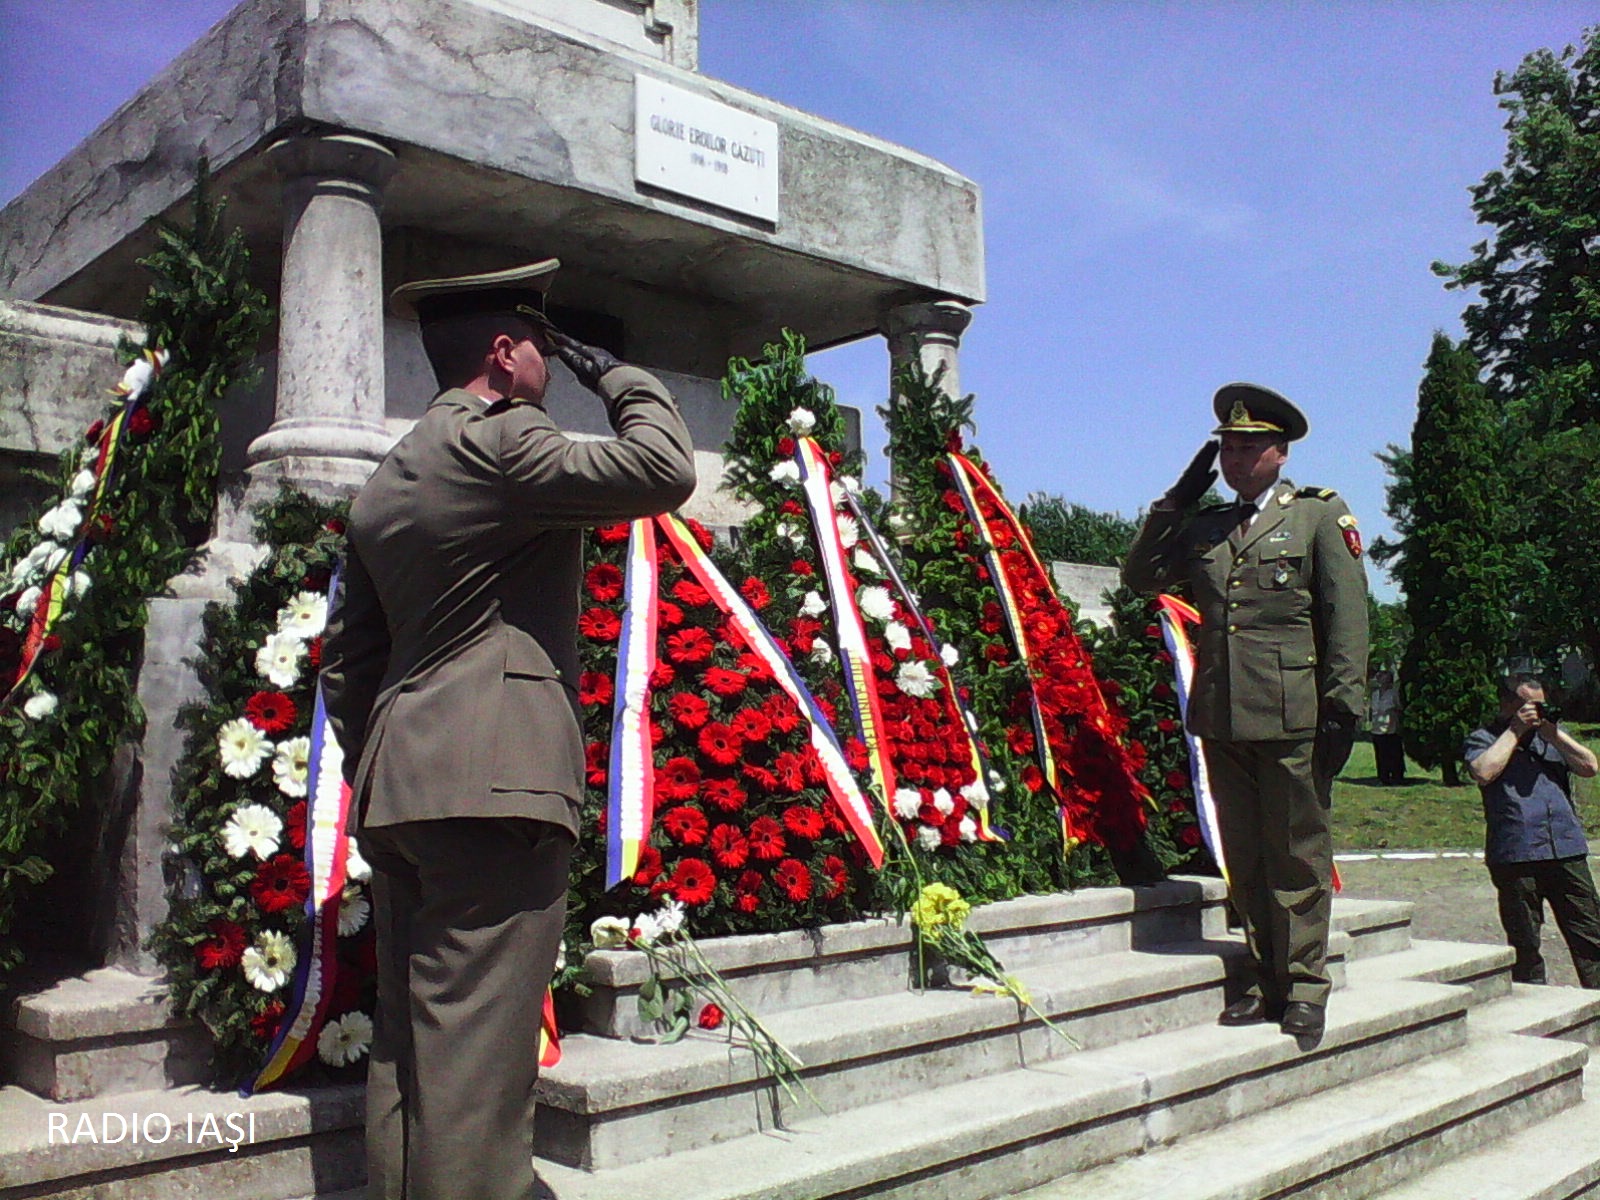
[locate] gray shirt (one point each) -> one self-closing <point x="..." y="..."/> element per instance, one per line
<point x="1528" y="809"/>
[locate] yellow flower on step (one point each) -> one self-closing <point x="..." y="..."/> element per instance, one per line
<point x="939" y="906"/>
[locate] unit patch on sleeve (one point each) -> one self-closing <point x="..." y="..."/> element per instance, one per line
<point x="1352" y="535"/>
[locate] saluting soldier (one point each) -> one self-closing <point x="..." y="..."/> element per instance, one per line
<point x="1280" y="671"/>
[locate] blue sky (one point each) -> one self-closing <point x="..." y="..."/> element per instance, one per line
<point x="1175" y="194"/>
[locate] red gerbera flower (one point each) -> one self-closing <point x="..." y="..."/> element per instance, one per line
<point x="678" y="778"/>
<point x="662" y="675"/>
<point x="270" y="712"/>
<point x="723" y="681"/>
<point x="281" y="882"/>
<point x="596" y="761"/>
<point x="855" y="753"/>
<point x="604" y="581"/>
<point x="766" y="838"/>
<point x="612" y="534"/>
<point x="294" y="825"/>
<point x="688" y="710"/>
<point x="690" y="645"/>
<point x="596" y="687"/>
<point x="693" y="882"/>
<point x="752" y="724"/>
<point x="838" y="876"/>
<point x="760" y="776"/>
<point x="649" y="868"/>
<point x="265" y="1023"/>
<point x="790" y="768"/>
<point x="725" y="794"/>
<point x="794" y="879"/>
<point x="747" y="891"/>
<point x="720" y="743"/>
<point x="755" y="593"/>
<point x="690" y="592"/>
<point x="600" y="625"/>
<point x="224" y="948"/>
<point x="782" y="712"/>
<point x="710" y="1017"/>
<point x="685" y="824"/>
<point x="668" y="614"/>
<point x="729" y="847"/>
<point x="803" y="821"/>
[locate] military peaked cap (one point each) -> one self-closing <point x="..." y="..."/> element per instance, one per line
<point x="1251" y="408"/>
<point x="429" y="300"/>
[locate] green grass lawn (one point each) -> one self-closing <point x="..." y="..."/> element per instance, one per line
<point x="1423" y="814"/>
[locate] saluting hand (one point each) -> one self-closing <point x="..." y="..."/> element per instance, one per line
<point x="586" y="362"/>
<point x="1196" y="478"/>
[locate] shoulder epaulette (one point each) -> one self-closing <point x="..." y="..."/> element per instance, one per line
<point x="1316" y="493"/>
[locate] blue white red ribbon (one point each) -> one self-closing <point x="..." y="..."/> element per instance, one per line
<point x="630" y="800"/>
<point x="1176" y="617"/>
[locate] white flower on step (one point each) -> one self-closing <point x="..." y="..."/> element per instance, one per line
<point x="346" y="1040"/>
<point x="821" y="653"/>
<point x="28" y="601"/>
<point x="82" y="484"/>
<point x="802" y="421"/>
<point x="975" y="793"/>
<point x="608" y="933"/>
<point x="252" y="829"/>
<point x="243" y="748"/>
<point x="77" y="584"/>
<point x="269" y="963"/>
<point x="907" y="803"/>
<point x="354" y="909"/>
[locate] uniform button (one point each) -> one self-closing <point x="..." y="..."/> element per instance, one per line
<point x="1235" y="582"/>
<point x="1233" y="629"/>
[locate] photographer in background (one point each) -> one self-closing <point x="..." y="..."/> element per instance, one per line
<point x="1536" y="851"/>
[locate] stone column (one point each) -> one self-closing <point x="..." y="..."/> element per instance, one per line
<point x="930" y="330"/>
<point x="328" y="427"/>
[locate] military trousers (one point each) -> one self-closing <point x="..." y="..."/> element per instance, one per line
<point x="1524" y="888"/>
<point x="1273" y="815"/>
<point x="469" y="915"/>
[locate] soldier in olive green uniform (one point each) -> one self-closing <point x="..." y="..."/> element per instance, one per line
<point x="1280" y="673"/>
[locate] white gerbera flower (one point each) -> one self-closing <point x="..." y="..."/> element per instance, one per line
<point x="802" y="421"/>
<point x="355" y="867"/>
<point x="849" y="532"/>
<point x="353" y="909"/>
<point x="916" y="680"/>
<point x="279" y="659"/>
<point x="944" y="802"/>
<point x="82" y="484"/>
<point x="62" y="521"/>
<point x="949" y="655"/>
<point x="812" y="604"/>
<point x="269" y="963"/>
<point x="821" y="653"/>
<point x="304" y="617"/>
<point x="928" y="837"/>
<point x="608" y="933"/>
<point x="897" y="635"/>
<point x="345" y="1040"/>
<point x="969" y="829"/>
<point x="907" y="803"/>
<point x="252" y="829"/>
<point x="785" y="529"/>
<point x="243" y="748"/>
<point x="787" y="471"/>
<point x="866" y="561"/>
<point x="876" y="603"/>
<point x="291" y="766"/>
<point x="28" y="601"/>
<point x="39" y="705"/>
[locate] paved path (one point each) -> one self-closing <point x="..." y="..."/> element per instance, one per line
<point x="1454" y="898"/>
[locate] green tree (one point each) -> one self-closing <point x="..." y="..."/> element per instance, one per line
<point x="1536" y="328"/>
<point x="1068" y="532"/>
<point x="1457" y="572"/>
<point x="1390" y="632"/>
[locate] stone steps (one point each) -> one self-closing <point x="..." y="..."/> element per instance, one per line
<point x="996" y="1135"/>
<point x="1571" y="1014"/>
<point x="1485" y="969"/>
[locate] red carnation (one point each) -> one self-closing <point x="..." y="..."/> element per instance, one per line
<point x="1162" y="691"/>
<point x="92" y="434"/>
<point x="794" y="879"/>
<point x="596" y="761"/>
<point x="685" y="824"/>
<point x="692" y="882"/>
<point x="1189" y="836"/>
<point x="791" y="508"/>
<point x="282" y="882"/>
<point x="691" y="645"/>
<point x="265" y="1023"/>
<point x="997" y="653"/>
<point x="710" y="1017"/>
<point x="700" y="532"/>
<point x="610" y="535"/>
<point x="752" y="724"/>
<point x="142" y="423"/>
<point x="690" y="592"/>
<point x="755" y="593"/>
<point x="270" y="712"/>
<point x="224" y="948"/>
<point x="801" y="567"/>
<point x="803" y="822"/>
<point x="1020" y="740"/>
<point x="766" y="839"/>
<point x="678" y="779"/>
<point x="723" y="681"/>
<point x="1166" y="725"/>
<point x="725" y="794"/>
<point x="729" y="847"/>
<point x="836" y="458"/>
<point x="786" y="446"/>
<point x="294" y="825"/>
<point x="604" y="581"/>
<point x="600" y="625"/>
<point x="1033" y="778"/>
<point x="334" y="525"/>
<point x="1177" y="780"/>
<point x="952" y="501"/>
<point x="838" y="876"/>
<point x="720" y="743"/>
<point x="688" y="710"/>
<point x="595" y="687"/>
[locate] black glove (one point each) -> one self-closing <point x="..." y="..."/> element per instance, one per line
<point x="1196" y="478"/>
<point x="1336" y="735"/>
<point x="588" y="363"/>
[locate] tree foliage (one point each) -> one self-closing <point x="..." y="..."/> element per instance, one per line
<point x="1067" y="532"/>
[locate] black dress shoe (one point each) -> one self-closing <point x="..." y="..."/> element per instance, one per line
<point x="1303" y="1019"/>
<point x="1248" y="1010"/>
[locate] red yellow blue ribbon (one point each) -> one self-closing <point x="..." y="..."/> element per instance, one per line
<point x="630" y="798"/>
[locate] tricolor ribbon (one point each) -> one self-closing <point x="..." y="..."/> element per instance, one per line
<point x="841" y="782"/>
<point x="1176" y="617"/>
<point x="981" y="770"/>
<point x="327" y="847"/>
<point x="859" y="675"/>
<point x="549" y="1034"/>
<point x="630" y="800"/>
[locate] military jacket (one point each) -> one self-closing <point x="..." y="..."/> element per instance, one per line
<point x="1283" y="633"/>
